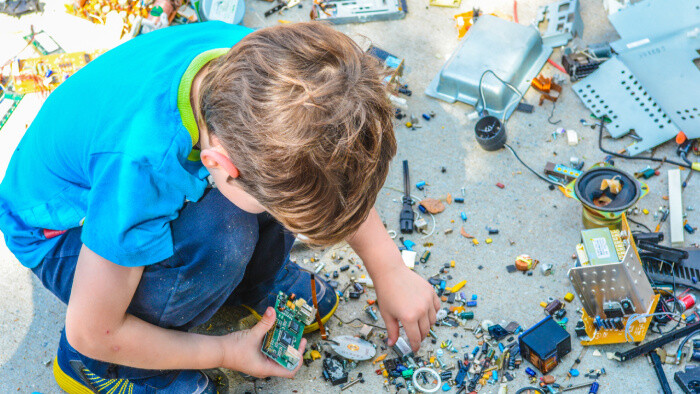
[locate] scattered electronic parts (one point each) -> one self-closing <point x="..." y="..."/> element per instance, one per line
<point x="391" y="62"/>
<point x="281" y="343"/>
<point x="19" y="7"/>
<point x="656" y="343"/>
<point x="358" y="11"/>
<point x="544" y="344"/>
<point x="45" y="73"/>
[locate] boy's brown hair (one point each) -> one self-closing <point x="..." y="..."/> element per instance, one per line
<point x="303" y="114"/>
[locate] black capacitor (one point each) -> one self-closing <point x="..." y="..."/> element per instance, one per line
<point x="696" y="343"/>
<point x="618" y="323"/>
<point x="354" y="295"/>
<point x="695" y="356"/>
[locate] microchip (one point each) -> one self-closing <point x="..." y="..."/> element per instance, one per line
<point x="286" y="338"/>
<point x="294" y="327"/>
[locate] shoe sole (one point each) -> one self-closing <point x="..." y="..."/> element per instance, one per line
<point x="311" y="327"/>
<point x="66" y="382"/>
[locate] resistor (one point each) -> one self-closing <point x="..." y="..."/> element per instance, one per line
<point x="463" y="216"/>
<point x="490" y="354"/>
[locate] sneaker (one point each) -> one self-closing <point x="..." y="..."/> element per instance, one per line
<point x="74" y="378"/>
<point x="293" y="279"/>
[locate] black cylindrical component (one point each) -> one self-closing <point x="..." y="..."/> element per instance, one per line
<point x="490" y="133"/>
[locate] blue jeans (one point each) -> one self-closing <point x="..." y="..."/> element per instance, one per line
<point x="222" y="255"/>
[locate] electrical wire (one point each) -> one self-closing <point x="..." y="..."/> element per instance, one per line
<point x="530" y="168"/>
<point x="524" y="389"/>
<point x="639" y="224"/>
<point x="684" y="341"/>
<point x="483" y="100"/>
<point x="357" y="319"/>
<point x="551" y="115"/>
<point x="615" y="154"/>
<point x="636" y="317"/>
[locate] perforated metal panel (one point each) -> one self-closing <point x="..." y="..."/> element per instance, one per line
<point x="612" y="282"/>
<point x="614" y="91"/>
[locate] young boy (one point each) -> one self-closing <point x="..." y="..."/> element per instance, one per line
<point x="106" y="198"/>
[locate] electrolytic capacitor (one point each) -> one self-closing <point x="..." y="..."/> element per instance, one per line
<point x="594" y="388"/>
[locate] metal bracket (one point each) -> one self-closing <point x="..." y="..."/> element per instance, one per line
<point x="563" y="20"/>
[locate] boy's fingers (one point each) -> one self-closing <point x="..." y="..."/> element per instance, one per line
<point x="266" y="323"/>
<point x="392" y="329"/>
<point x="436" y="302"/>
<point x="413" y="334"/>
<point x="424" y="325"/>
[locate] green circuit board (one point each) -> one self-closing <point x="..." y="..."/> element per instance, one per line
<point x="281" y="343"/>
<point x="8" y="103"/>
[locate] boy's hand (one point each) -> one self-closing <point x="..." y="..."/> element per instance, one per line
<point x="406" y="297"/>
<point x="242" y="351"/>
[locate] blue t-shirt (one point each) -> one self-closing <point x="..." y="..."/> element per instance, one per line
<point x="109" y="150"/>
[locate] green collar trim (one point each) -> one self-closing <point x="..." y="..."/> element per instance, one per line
<point x="183" y="95"/>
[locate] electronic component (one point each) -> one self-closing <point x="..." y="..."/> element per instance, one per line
<point x="553" y="306"/>
<point x="602" y="245"/>
<point x="45" y="73"/>
<point x="580" y="329"/>
<point x="627" y="306"/>
<point x="561" y="173"/>
<point x="358" y="11"/>
<point x="281" y="343"/>
<point x="688" y="380"/>
<point x="613" y="309"/>
<point x="333" y="371"/>
<point x="406" y="216"/>
<point x="43" y="43"/>
<point x="352" y="348"/>
<point x="544" y="344"/>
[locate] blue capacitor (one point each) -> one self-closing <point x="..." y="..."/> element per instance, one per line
<point x="501" y="347"/>
<point x="426" y="116"/>
<point x="598" y="322"/>
<point x="446" y="387"/>
<point x="475" y="351"/>
<point x="471" y="303"/>
<point x="530" y="372"/>
<point x="574" y="372"/>
<point x="689" y="228"/>
<point x="594" y="388"/>
<point x="420" y="185"/>
<point x="459" y="200"/>
<point x="443" y="285"/>
<point x="474" y="297"/>
<point x="422" y="208"/>
<point x="464" y="216"/>
<point x="564" y="320"/>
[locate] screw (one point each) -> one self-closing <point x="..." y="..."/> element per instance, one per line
<point x="347" y="385"/>
<point x="438" y="357"/>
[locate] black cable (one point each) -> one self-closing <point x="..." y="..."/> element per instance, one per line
<point x="524" y="389"/>
<point x="551" y="115"/>
<point x="664" y="160"/>
<point x="531" y="170"/>
<point x="639" y="224"/>
<point x="358" y="319"/>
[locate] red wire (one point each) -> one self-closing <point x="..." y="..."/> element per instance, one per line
<point x="515" y="11"/>
<point x="557" y="66"/>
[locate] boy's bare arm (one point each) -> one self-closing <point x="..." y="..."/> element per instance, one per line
<point x="98" y="326"/>
<point x="402" y="294"/>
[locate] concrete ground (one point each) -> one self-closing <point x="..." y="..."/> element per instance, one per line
<point x="531" y="218"/>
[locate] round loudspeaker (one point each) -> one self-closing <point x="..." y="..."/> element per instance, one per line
<point x="490" y="133"/>
<point x="587" y="189"/>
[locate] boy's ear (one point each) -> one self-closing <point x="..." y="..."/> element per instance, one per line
<point x="214" y="158"/>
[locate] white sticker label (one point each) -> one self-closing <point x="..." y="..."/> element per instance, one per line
<point x="637" y="43"/>
<point x="601" y="248"/>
